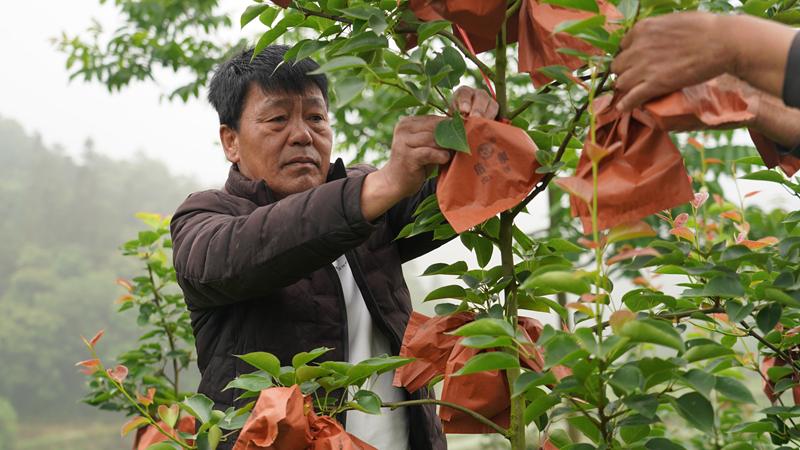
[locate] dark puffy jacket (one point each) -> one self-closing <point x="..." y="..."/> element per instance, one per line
<point x="257" y="276"/>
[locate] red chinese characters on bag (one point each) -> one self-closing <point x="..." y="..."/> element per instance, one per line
<point x="283" y="418"/>
<point x="641" y="173"/>
<point x="496" y="175"/>
<point x="439" y="353"/>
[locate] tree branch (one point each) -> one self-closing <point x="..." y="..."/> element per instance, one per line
<point x="433" y="401"/>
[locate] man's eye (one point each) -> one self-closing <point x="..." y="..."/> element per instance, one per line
<point x="278" y="119"/>
<point x="317" y="118"/>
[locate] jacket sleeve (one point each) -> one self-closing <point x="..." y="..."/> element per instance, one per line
<point x="222" y="258"/>
<point x="791" y="81"/>
<point x="402" y="214"/>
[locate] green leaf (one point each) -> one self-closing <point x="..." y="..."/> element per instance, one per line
<point x="252" y="12"/>
<point x="489" y="361"/>
<point x="485" y="327"/>
<point x="450" y="134"/>
<point x="737" y="311"/>
<point x="484" y="342"/>
<point x="348" y="89"/>
<point x="539" y="406"/>
<point x="451" y="291"/>
<point x="269" y="37"/>
<point x="268" y="16"/>
<point x="644" y="404"/>
<point x="697" y="410"/>
<point x="264" y="361"/>
<point x="587" y="427"/>
<point x="634" y="433"/>
<point x="163" y="446"/>
<point x="765" y="175"/>
<point x="198" y="406"/>
<point x="649" y="330"/>
<point x="754" y="427"/>
<point x="558" y="281"/>
<point x="559" y="347"/>
<point x="374" y="366"/>
<point x="306" y="357"/>
<point x="428" y="29"/>
<point x="250" y="382"/>
<point x="577" y="26"/>
<point x="584" y="5"/>
<point x="368" y="402"/>
<point x="701" y="381"/>
<point x="661" y="443"/>
<point x="483" y="250"/>
<point x="527" y="380"/>
<point x="457" y="268"/>
<point x="362" y="42"/>
<point x="734" y="390"/>
<point x="706" y="351"/>
<point x="768" y="317"/>
<point x="563" y="245"/>
<point x="339" y="63"/>
<point x="627" y="378"/>
<point x="724" y="286"/>
<point x="169" y="414"/>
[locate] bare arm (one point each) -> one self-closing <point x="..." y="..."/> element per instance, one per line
<point x="663" y="54"/>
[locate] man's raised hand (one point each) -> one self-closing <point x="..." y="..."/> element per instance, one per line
<point x="470" y="102"/>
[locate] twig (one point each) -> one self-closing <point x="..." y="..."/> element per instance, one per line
<point x="310" y="12"/>
<point x="432" y="401"/>
<point x="465" y="51"/>
<point x="767" y="344"/>
<point x="561" y="149"/>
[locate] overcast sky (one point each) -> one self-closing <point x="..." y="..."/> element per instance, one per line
<point x="35" y="91"/>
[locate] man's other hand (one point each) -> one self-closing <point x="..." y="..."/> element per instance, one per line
<point x="471" y="102"/>
<point x="663" y="54"/>
<point x="414" y="155"/>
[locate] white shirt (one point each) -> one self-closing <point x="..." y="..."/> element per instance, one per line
<point x="389" y="430"/>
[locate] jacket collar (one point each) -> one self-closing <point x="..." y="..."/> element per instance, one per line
<point x="259" y="193"/>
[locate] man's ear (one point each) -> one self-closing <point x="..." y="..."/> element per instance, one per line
<point x="230" y="143"/>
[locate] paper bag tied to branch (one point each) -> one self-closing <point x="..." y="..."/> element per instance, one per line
<point x="496" y="175"/>
<point x="641" y="174"/>
<point x="538" y="44"/>
<point x="439" y="353"/>
<point x="718" y="103"/>
<point x="283" y="418"/>
<point x="480" y="19"/>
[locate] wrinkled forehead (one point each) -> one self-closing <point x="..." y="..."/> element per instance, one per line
<point x="310" y="97"/>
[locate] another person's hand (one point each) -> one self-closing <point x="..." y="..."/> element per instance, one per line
<point x="663" y="54"/>
<point x="470" y="102"/>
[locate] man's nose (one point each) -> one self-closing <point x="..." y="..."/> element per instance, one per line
<point x="300" y="134"/>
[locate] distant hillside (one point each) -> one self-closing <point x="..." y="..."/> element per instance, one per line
<point x="62" y="223"/>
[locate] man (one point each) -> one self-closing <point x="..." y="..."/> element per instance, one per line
<point x="297" y="253"/>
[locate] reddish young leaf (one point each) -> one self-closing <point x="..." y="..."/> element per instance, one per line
<point x="694" y="143"/>
<point x="683" y="232"/>
<point x="751" y="193"/>
<point x="628" y="254"/>
<point x="124" y="298"/>
<point x="699" y="199"/>
<point x="146" y="400"/>
<point x="761" y="243"/>
<point x="620" y="318"/>
<point x="681" y="220"/>
<point x="91" y="342"/>
<point x="132" y="424"/>
<point x="89" y="366"/>
<point x="125" y="283"/>
<point x="713" y="161"/>
<point x="631" y="230"/>
<point x="733" y="215"/>
<point x="118" y="373"/>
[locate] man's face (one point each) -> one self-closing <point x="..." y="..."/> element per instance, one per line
<point x="283" y="139"/>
